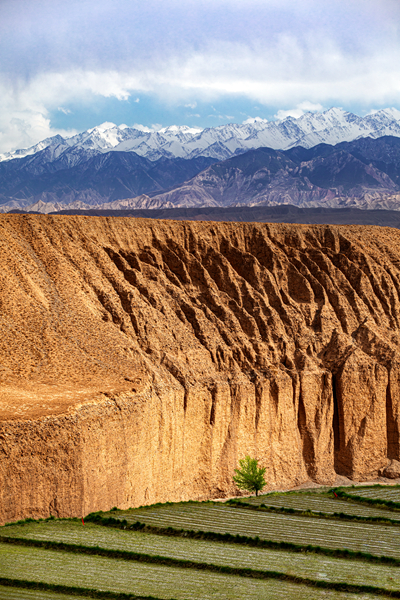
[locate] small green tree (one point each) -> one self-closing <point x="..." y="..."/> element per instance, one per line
<point x="250" y="476"/>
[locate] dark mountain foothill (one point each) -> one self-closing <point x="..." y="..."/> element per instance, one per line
<point x="99" y="178"/>
<point x="283" y="213"/>
<point x="330" y="176"/>
<point x="364" y="173"/>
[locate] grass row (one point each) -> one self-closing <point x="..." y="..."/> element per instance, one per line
<point x="378" y="502"/>
<point x="58" y="592"/>
<point x="254" y="542"/>
<point x="302" y="564"/>
<point x="374" y="539"/>
<point x="71" y="590"/>
<point x="143" y="581"/>
<point x="170" y="562"/>
<point x="310" y="513"/>
<point x="324" y="501"/>
<point x="383" y="490"/>
<point x="18" y="593"/>
<point x="197" y="515"/>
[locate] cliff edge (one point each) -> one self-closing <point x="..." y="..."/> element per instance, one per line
<point x="140" y="359"/>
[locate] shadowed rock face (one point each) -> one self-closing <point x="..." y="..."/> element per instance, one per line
<point x="140" y="360"/>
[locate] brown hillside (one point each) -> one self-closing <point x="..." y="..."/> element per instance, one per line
<point x="140" y="359"/>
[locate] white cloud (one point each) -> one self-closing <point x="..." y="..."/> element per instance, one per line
<point x="151" y="129"/>
<point x="309" y="74"/>
<point x="24" y="119"/>
<point x="137" y="100"/>
<point x="299" y="110"/>
<point x="66" y="111"/>
<point x="25" y="107"/>
<point x="303" y="69"/>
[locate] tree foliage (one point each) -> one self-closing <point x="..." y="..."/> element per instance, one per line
<point x="250" y="476"/>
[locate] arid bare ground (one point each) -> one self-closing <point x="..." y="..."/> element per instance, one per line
<point x="139" y="360"/>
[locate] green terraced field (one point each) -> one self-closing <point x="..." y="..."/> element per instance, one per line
<point x="375" y="539"/>
<point x="378" y="493"/>
<point x="12" y="593"/>
<point x="304" y="565"/>
<point x="142" y="579"/>
<point x="320" y="503"/>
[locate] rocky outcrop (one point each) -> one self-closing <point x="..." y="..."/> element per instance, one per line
<point x="140" y="360"/>
<point x="392" y="471"/>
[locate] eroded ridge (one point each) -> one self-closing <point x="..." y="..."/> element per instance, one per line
<point x="151" y="355"/>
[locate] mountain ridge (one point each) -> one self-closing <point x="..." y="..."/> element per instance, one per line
<point x="170" y="167"/>
<point x="363" y="173"/>
<point x="332" y="126"/>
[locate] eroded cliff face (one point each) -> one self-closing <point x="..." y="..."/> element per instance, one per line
<point x="140" y="360"/>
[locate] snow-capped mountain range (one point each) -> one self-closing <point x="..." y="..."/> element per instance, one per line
<point x="110" y="166"/>
<point x="332" y="126"/>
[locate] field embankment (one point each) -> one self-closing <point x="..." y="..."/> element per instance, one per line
<point x="141" y="359"/>
<point x="162" y="552"/>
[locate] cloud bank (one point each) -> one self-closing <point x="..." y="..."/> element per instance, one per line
<point x="291" y="55"/>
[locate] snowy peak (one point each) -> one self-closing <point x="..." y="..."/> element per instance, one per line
<point x="103" y="127"/>
<point x="389" y="113"/>
<point x="333" y="126"/>
<point x="177" y="129"/>
<point x="33" y="149"/>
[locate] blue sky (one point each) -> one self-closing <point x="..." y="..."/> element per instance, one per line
<point x="66" y="67"/>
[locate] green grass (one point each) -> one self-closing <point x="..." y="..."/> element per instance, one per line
<point x="99" y="562"/>
<point x="15" y="593"/>
<point x="380" y="497"/>
<point x="103" y="574"/>
<point x="378" y="492"/>
<point x="319" y="503"/>
<point x="315" y="514"/>
<point x="373" y="539"/>
<point x="304" y="565"/>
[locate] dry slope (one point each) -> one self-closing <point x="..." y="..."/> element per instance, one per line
<point x="140" y="359"/>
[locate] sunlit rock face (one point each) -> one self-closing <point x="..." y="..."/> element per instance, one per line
<point x="140" y="360"/>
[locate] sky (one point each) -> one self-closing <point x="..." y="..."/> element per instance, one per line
<point x="69" y="66"/>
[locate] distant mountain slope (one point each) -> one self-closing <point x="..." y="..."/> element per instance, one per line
<point x="362" y="173"/>
<point x="104" y="177"/>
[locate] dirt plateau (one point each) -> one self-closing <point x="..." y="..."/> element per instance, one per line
<point x="141" y="359"/>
